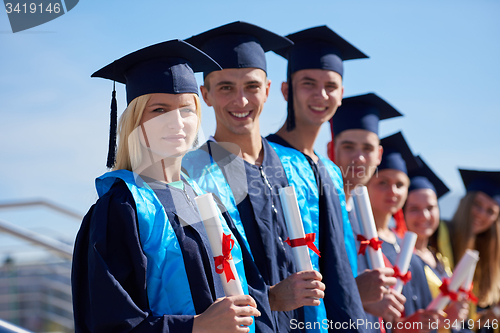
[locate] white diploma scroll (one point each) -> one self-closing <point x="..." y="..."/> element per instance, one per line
<point x="468" y="281"/>
<point x="210" y="216"/>
<point x="461" y="273"/>
<point x="294" y="226"/>
<point x="366" y="221"/>
<point x="404" y="257"/>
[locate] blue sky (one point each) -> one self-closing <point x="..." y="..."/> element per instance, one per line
<point x="435" y="61"/>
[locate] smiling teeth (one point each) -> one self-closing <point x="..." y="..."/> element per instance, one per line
<point x="316" y="108"/>
<point x="240" y="115"/>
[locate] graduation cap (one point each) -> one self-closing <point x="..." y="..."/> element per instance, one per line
<point x="487" y="182"/>
<point x="425" y="178"/>
<point x="166" y="67"/>
<point x="362" y="112"/>
<point x="239" y="45"/>
<point x="316" y="48"/>
<point x="397" y="154"/>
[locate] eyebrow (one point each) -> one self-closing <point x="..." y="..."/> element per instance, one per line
<point x="307" y="78"/>
<point x="224" y="83"/>
<point x="169" y="106"/>
<point x="254" y="82"/>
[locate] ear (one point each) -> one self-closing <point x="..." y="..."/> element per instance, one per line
<point x="284" y="90"/>
<point x="204" y="94"/>
<point x="380" y="152"/>
<point x="268" y="88"/>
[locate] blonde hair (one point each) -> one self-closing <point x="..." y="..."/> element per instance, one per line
<point x="487" y="275"/>
<point x="128" y="155"/>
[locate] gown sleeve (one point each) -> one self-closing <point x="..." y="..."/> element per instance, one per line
<point x="109" y="272"/>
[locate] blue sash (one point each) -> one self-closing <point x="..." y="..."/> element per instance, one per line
<point x="167" y="283"/>
<point x="350" y="244"/>
<point x="300" y="174"/>
<point x="201" y="167"/>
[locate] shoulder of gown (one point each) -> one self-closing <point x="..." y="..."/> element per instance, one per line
<point x="109" y="272"/>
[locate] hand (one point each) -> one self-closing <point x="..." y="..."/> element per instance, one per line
<point x="426" y="317"/>
<point x="372" y="284"/>
<point x="227" y="315"/>
<point x="457" y="311"/>
<point x="389" y="308"/>
<point x="299" y="289"/>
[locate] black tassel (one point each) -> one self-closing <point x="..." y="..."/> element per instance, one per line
<point x="112" y="130"/>
<point x="290" y="119"/>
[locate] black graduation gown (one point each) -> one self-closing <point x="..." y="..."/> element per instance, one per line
<point x="342" y="300"/>
<point x="261" y="215"/>
<point x="109" y="267"/>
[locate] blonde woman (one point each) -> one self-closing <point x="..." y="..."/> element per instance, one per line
<point x="421" y="212"/>
<point x="142" y="261"/>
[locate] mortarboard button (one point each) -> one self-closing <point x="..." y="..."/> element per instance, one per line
<point x="362" y="112"/>
<point x="239" y="45"/>
<point x="315" y="48"/>
<point x="487" y="182"/>
<point x="424" y="177"/>
<point x="397" y="154"/>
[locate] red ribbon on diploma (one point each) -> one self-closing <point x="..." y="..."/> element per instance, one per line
<point x="307" y="240"/>
<point x="445" y="291"/>
<point x="222" y="262"/>
<point x="364" y="243"/>
<point x="469" y="295"/>
<point x="403" y="277"/>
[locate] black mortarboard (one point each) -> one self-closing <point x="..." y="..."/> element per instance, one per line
<point x="487" y="182"/>
<point x="362" y="112"/>
<point x="397" y="155"/>
<point x="166" y="67"/>
<point x="239" y="45"/>
<point x="315" y="48"/>
<point x="319" y="48"/>
<point x="425" y="178"/>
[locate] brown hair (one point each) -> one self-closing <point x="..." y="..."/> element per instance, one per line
<point x="487" y="275"/>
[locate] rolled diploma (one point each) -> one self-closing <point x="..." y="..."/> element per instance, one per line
<point x="294" y="226"/>
<point x="461" y="273"/>
<point x="210" y="216"/>
<point x="404" y="257"/>
<point x="468" y="281"/>
<point x="368" y="228"/>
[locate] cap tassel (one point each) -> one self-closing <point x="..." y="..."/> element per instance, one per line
<point x="400" y="229"/>
<point x="112" y="130"/>
<point x="290" y="119"/>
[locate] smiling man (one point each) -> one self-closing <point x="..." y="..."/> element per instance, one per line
<point x="244" y="172"/>
<point x="314" y="91"/>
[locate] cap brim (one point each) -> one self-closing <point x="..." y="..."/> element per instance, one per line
<point x="198" y="60"/>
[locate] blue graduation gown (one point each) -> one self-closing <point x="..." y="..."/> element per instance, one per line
<point x="342" y="300"/>
<point x="261" y="214"/>
<point x="109" y="275"/>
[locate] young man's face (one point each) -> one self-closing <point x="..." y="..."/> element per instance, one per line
<point x="357" y="153"/>
<point x="237" y="96"/>
<point x="317" y="95"/>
